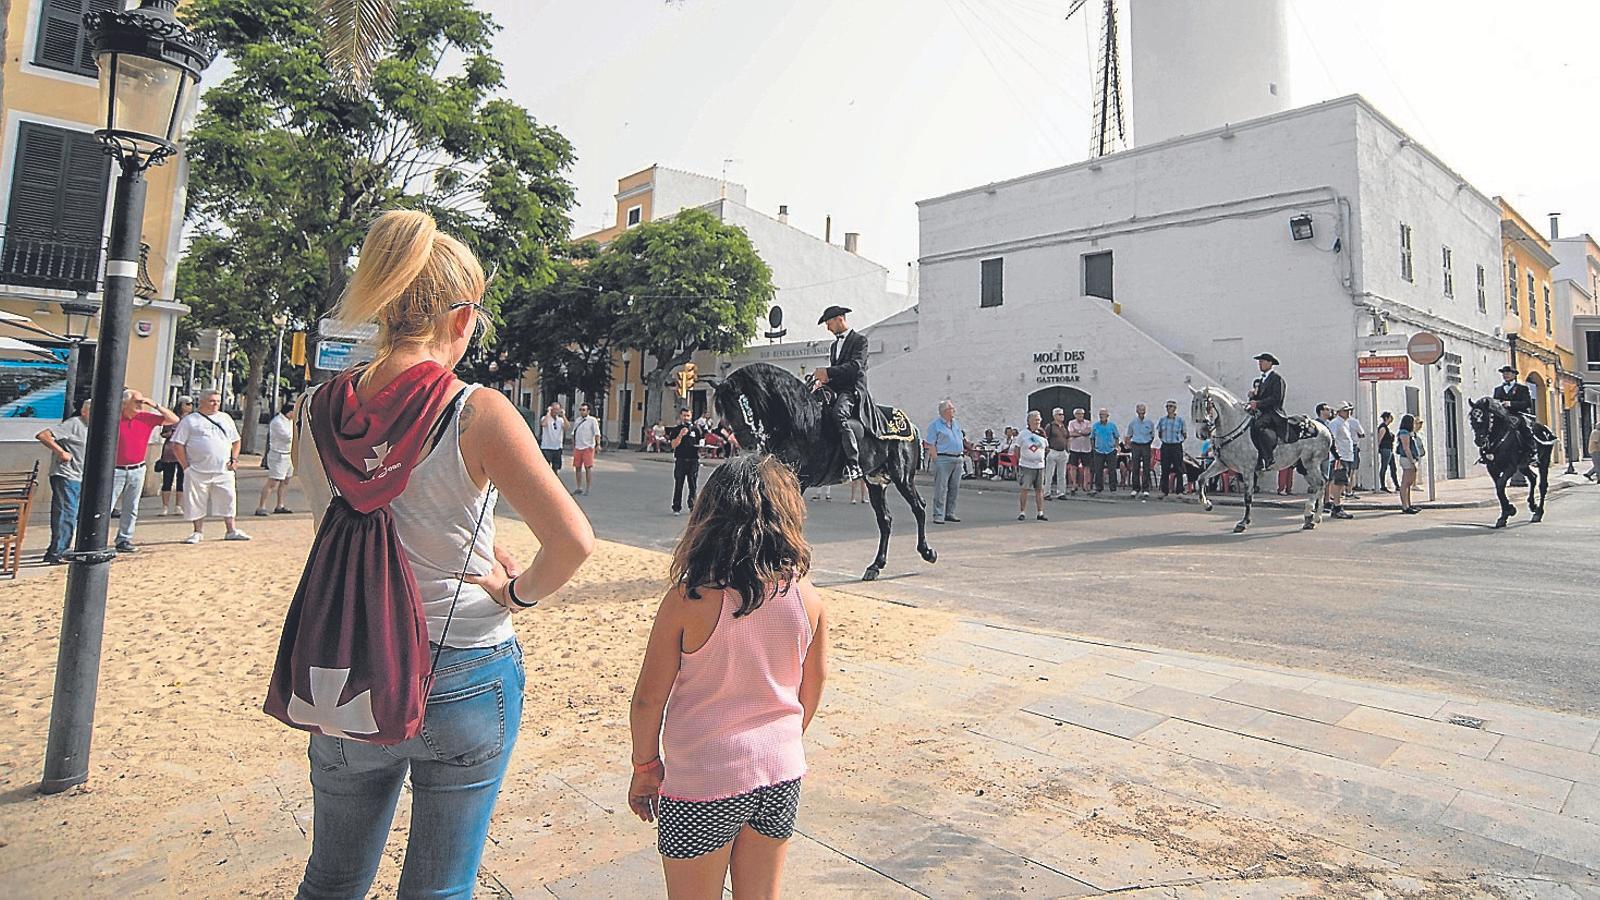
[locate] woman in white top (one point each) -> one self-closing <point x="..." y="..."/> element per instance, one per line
<point x="424" y="290"/>
<point x="277" y="460"/>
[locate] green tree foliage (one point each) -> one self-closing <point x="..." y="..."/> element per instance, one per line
<point x="567" y="329"/>
<point x="682" y="285"/>
<point x="285" y="148"/>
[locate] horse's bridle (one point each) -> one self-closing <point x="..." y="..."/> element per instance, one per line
<point x="754" y="424"/>
<point x="1210" y="422"/>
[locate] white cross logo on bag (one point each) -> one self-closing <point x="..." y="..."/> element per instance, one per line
<point x="327" y="713"/>
<point x="379" y="453"/>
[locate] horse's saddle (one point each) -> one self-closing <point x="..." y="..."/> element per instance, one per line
<point x="1298" y="428"/>
<point x="897" y="426"/>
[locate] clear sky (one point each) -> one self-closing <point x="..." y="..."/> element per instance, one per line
<point x="859" y="108"/>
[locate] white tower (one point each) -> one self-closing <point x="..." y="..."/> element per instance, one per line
<point x="1200" y="64"/>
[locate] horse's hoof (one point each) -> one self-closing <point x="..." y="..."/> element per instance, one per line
<point x="930" y="555"/>
<point x="1538" y="516"/>
<point x="1239" y="528"/>
<point x="1208" y="506"/>
<point x="870" y="575"/>
<point x="1308" y="526"/>
<point x="1500" y="523"/>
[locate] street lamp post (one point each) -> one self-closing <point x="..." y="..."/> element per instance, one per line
<point x="626" y="396"/>
<point x="150" y="67"/>
<point x="80" y="315"/>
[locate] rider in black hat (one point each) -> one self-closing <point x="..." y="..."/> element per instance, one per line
<point x="844" y="383"/>
<point x="1266" y="402"/>
<point x="1518" y="399"/>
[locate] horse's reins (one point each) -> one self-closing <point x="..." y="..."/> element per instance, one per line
<point x="1230" y="437"/>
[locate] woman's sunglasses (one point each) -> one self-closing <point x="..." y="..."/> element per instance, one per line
<point x="477" y="308"/>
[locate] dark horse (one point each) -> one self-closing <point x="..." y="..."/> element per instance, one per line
<point x="1505" y="451"/>
<point x="774" y="412"/>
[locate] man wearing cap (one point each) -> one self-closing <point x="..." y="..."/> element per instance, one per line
<point x="1266" y="402"/>
<point x="1344" y="453"/>
<point x="844" y="386"/>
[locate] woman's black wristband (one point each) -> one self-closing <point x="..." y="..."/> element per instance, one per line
<point x="511" y="588"/>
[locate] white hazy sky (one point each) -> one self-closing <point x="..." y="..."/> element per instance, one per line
<point x="859" y="108"/>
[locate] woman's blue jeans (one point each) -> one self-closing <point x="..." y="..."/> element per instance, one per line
<point x="456" y="766"/>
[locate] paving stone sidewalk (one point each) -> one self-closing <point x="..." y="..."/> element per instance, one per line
<point x="1029" y="764"/>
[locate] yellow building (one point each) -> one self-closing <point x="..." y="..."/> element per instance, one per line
<point x="1540" y="346"/>
<point x="55" y="182"/>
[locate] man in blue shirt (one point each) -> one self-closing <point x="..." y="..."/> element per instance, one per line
<point x="1141" y="440"/>
<point x="1172" y="431"/>
<point x="944" y="442"/>
<point x="1106" y="437"/>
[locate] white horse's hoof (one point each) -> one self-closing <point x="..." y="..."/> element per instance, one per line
<point x="1208" y="506"/>
<point x="1239" y="528"/>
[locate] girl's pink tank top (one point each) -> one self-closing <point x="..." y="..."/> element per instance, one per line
<point x="733" y="718"/>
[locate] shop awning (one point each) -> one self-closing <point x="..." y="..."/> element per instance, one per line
<point x="12" y="347"/>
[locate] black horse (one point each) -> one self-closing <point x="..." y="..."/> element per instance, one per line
<point x="1505" y="451"/>
<point x="774" y="412"/>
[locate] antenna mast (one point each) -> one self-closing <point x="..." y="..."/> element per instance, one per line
<point x="1107" y="128"/>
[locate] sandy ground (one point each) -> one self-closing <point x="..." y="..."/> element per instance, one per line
<point x="189" y="643"/>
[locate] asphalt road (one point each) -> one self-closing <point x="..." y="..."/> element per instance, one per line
<point x="1434" y="600"/>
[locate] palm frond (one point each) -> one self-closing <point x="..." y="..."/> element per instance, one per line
<point x="356" y="34"/>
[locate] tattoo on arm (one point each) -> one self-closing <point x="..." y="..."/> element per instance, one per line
<point x="464" y="418"/>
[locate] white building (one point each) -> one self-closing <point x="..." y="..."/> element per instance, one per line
<point x="1115" y="281"/>
<point x="810" y="274"/>
<point x="1577" y="297"/>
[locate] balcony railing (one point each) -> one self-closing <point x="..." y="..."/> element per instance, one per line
<point x="62" y="262"/>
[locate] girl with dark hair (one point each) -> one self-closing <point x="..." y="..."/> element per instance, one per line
<point x="740" y="647"/>
<point x="168" y="465"/>
<point x="1408" y="451"/>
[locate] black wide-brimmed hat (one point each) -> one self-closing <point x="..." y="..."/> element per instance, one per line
<point x="1505" y="369"/>
<point x="832" y="311"/>
<point x="1269" y="358"/>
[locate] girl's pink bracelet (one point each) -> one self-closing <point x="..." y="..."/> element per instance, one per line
<point x="647" y="765"/>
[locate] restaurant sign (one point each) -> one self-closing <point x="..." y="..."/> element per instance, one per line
<point x="1057" y="366"/>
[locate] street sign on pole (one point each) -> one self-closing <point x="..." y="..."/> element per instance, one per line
<point x="1384" y="344"/>
<point x="1383" y="368"/>
<point x="1425" y="348"/>
<point x="336" y="356"/>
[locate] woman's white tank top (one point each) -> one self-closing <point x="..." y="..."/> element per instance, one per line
<point x="434" y="518"/>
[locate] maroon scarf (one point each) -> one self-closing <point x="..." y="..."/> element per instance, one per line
<point x="369" y="449"/>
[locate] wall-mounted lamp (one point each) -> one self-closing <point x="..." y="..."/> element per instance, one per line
<point x="1300" y="228"/>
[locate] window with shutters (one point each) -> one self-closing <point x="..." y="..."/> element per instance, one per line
<point x="1406" y="270"/>
<point x="992" y="282"/>
<point x="1097" y="272"/>
<point x="1549" y="323"/>
<point x="54" y="215"/>
<point x="1511" y="284"/>
<point x="1533" y="303"/>
<point x="1449" y="274"/>
<point x="63" y="43"/>
<point x="1483" y="292"/>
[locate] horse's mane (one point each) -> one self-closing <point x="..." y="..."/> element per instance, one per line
<point x="781" y="402"/>
<point x="1221" y="394"/>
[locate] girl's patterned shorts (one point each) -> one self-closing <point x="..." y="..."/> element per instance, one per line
<point x="691" y="828"/>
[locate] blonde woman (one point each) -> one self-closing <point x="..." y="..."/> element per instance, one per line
<point x="423" y="289"/>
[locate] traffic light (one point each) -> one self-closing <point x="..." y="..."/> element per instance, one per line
<point x="685" y="379"/>
<point x="297" y="349"/>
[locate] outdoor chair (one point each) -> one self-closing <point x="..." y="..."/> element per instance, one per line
<point x="16" y="501"/>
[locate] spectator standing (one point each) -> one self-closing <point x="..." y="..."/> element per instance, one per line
<point x="167" y="465"/>
<point x="1386" y="453"/>
<point x="739" y="648"/>
<point x="685" y="440"/>
<point x="1325" y="416"/>
<point x="1347" y="412"/>
<point x="1106" y="440"/>
<point x="1406" y="451"/>
<point x="278" y="460"/>
<point x="945" y="443"/>
<point x="1141" y="443"/>
<point x="1594" y="454"/>
<point x="586" y="440"/>
<point x="552" y="431"/>
<point x="1031" y="447"/>
<point x="208" y="449"/>
<point x="1056" y="456"/>
<point x="1080" y="448"/>
<point x="67" y="440"/>
<point x="1172" y="430"/>
<point x="140" y="417"/>
<point x="1344" y="441"/>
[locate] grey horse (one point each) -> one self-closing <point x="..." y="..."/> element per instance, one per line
<point x="1228" y="421"/>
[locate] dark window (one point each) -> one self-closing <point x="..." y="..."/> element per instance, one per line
<point x="993" y="283"/>
<point x="63" y="43"/>
<point x="1511" y="282"/>
<point x="1097" y="275"/>
<point x="1406" y="271"/>
<point x="634" y="215"/>
<point x="1483" y="296"/>
<point x="1592" y="340"/>
<point x="1449" y="274"/>
<point x="56" y="209"/>
<point x="1533" y="303"/>
<point x="1549" y="323"/>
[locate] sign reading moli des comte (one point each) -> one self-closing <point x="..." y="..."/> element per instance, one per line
<point x="1057" y="366"/>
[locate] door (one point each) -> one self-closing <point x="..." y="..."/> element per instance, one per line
<point x="1452" y="434"/>
<point x="1044" y="400"/>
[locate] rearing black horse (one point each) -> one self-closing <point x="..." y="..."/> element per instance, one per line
<point x="1505" y="452"/>
<point x="774" y="412"/>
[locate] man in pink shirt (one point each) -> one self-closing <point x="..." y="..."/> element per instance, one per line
<point x="140" y="417"/>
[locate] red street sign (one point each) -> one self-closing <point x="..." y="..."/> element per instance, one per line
<point x="1383" y="368"/>
<point x="1425" y="348"/>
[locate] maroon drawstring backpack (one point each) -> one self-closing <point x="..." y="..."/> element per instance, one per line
<point x="354" y="660"/>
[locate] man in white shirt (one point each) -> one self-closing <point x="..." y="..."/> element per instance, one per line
<point x="1357" y="435"/>
<point x="206" y="443"/>
<point x="1344" y="451"/>
<point x="552" y="430"/>
<point x="1030" y="448"/>
<point x="585" y="441"/>
<point x="275" y="459"/>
